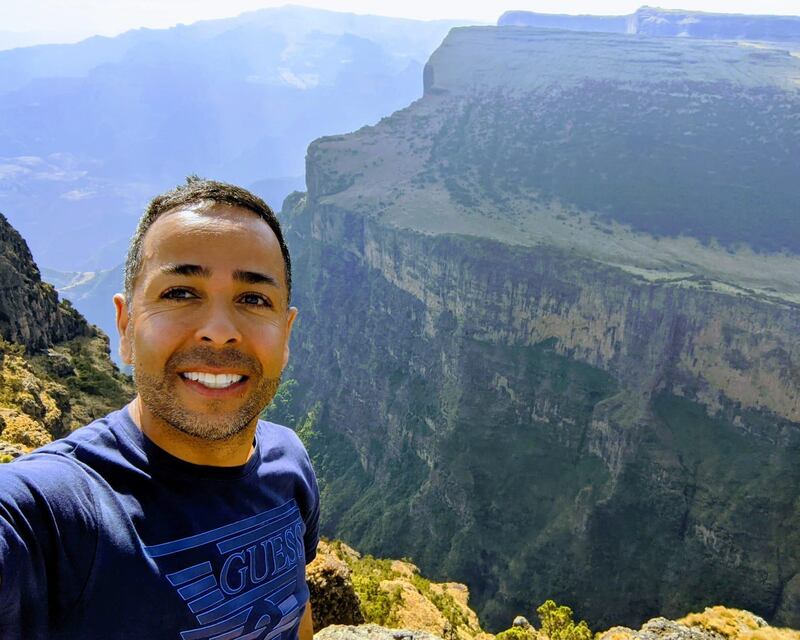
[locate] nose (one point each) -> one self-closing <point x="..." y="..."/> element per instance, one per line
<point x="218" y="327"/>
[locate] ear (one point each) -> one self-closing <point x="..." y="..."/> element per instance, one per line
<point x="123" y="318"/>
<point x="290" y="318"/>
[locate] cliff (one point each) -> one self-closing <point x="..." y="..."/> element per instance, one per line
<point x="652" y="21"/>
<point x="55" y="369"/>
<point x="542" y="349"/>
<point x="30" y="313"/>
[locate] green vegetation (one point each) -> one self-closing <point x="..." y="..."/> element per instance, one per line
<point x="45" y="396"/>
<point x="380" y="584"/>
<point x="92" y="379"/>
<point x="557" y="623"/>
<point x="377" y="605"/>
<point x="367" y="573"/>
<point x="442" y="600"/>
<point x="281" y="411"/>
<point x="516" y="633"/>
<point x="721" y="160"/>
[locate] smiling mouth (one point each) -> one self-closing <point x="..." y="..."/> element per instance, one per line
<point x="213" y="380"/>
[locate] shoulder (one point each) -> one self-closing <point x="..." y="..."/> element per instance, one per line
<point x="45" y="496"/>
<point x="58" y="474"/>
<point x="279" y="441"/>
<point x="283" y="451"/>
<point x="99" y="434"/>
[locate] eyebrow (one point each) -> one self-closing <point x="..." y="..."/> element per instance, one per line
<point x="194" y="270"/>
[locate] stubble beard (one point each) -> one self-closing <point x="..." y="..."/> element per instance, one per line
<point x="159" y="395"/>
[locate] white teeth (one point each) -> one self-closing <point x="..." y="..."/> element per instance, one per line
<point x="213" y="381"/>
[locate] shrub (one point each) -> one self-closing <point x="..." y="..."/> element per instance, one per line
<point x="376" y="604"/>
<point x="24" y="430"/>
<point x="516" y="633"/>
<point x="557" y="623"/>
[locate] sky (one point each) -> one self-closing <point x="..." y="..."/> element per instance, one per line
<point x="69" y="20"/>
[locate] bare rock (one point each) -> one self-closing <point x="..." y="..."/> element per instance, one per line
<point x="30" y="312"/>
<point x="715" y="623"/>
<point x="371" y="632"/>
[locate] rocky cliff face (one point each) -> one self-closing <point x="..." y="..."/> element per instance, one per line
<point x="30" y="313"/>
<point x="652" y="21"/>
<point x="522" y="423"/>
<point x="55" y="369"/>
<point x="530" y="371"/>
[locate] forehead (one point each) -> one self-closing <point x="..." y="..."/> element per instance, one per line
<point x="205" y="234"/>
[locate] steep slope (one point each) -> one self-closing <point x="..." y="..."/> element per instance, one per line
<point x="542" y="386"/>
<point x="91" y="293"/>
<point x="55" y="370"/>
<point x="30" y="314"/>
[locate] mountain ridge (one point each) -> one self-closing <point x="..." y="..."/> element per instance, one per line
<point x="91" y="131"/>
<point x="654" y="21"/>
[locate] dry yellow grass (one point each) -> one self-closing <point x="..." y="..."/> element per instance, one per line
<point x="737" y="624"/>
<point x="24" y="430"/>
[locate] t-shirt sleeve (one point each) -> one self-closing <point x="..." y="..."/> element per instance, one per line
<point x="311" y="537"/>
<point x="47" y="541"/>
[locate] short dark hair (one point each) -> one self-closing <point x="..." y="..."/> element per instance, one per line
<point x="194" y="191"/>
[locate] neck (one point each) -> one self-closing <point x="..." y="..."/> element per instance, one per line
<point x="231" y="452"/>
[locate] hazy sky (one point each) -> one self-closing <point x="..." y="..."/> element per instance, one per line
<point x="79" y="18"/>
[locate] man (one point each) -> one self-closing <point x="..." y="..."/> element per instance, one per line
<point x="180" y="516"/>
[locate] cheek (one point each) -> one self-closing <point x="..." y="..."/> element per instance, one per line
<point x="270" y="345"/>
<point x="155" y="341"/>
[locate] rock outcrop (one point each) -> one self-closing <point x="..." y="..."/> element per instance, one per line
<point x="332" y="594"/>
<point x="30" y="312"/>
<point x="349" y="589"/>
<point x="715" y="623"/>
<point x="372" y="632"/>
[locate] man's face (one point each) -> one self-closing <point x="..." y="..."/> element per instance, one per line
<point x="209" y="324"/>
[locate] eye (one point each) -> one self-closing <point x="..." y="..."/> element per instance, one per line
<point x="178" y="293"/>
<point x="255" y="299"/>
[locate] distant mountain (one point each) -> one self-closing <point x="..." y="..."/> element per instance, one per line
<point x="652" y="21"/>
<point x="91" y="293"/>
<point x="674" y="137"/>
<point x="14" y="39"/>
<point x="90" y="131"/>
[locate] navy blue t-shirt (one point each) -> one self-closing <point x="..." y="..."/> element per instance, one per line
<point x="105" y="535"/>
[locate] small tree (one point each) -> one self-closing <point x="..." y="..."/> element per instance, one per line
<point x="557" y="623"/>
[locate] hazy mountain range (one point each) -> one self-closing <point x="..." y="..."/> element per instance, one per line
<point x="90" y="131"/>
